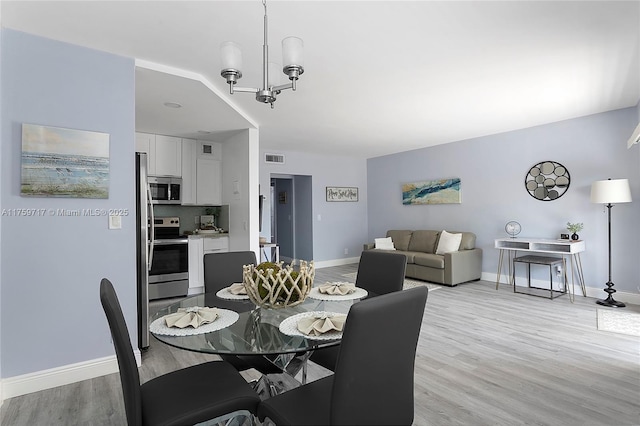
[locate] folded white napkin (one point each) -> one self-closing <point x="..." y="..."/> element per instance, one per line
<point x="320" y="324"/>
<point x="194" y="317"/>
<point x="237" y="288"/>
<point x="338" y="288"/>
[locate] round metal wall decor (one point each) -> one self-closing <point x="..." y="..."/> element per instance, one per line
<point x="547" y="181"/>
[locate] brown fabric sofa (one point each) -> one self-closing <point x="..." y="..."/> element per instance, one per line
<point x="449" y="269"/>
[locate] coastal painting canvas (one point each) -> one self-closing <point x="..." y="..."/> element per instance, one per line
<point x="442" y="191"/>
<point x="58" y="162"/>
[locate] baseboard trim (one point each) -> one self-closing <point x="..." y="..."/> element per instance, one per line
<point x="60" y="376"/>
<point x="336" y="262"/>
<point x="594" y="292"/>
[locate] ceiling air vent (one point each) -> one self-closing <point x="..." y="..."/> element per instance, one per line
<point x="274" y="158"/>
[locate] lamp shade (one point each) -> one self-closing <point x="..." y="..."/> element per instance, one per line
<point x="612" y="191"/>
<point x="292" y="48"/>
<point x="231" y="56"/>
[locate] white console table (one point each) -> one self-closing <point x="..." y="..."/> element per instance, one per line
<point x="559" y="247"/>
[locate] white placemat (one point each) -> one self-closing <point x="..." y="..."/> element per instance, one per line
<point x="358" y="294"/>
<point x="290" y="326"/>
<point x="226" y="294"/>
<point x="225" y="319"/>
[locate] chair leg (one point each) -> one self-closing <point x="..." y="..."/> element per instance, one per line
<point x="304" y="372"/>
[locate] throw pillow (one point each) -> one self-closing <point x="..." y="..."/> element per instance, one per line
<point x="384" y="243"/>
<point x="448" y="242"/>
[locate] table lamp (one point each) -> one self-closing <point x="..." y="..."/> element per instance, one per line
<point x="610" y="192"/>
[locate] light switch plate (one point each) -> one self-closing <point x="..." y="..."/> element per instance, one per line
<point x="115" y="222"/>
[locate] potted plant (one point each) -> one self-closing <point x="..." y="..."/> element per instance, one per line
<point x="574" y="228"/>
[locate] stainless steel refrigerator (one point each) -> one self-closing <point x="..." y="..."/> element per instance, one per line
<point x="144" y="247"/>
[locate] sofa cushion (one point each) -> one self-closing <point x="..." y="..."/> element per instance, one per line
<point x="429" y="260"/>
<point x="448" y="242"/>
<point x="410" y="256"/>
<point x="468" y="240"/>
<point x="384" y="244"/>
<point x="424" y="241"/>
<point x="400" y="238"/>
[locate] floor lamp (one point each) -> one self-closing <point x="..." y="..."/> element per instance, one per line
<point x="609" y="192"/>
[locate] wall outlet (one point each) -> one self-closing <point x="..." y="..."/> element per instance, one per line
<point x="115" y="222"/>
<point x="346" y="251"/>
<point x="558" y="271"/>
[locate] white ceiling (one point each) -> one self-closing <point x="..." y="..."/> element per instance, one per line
<point x="380" y="77"/>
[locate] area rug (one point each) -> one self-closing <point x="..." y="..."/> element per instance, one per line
<point x="408" y="282"/>
<point x="616" y="321"/>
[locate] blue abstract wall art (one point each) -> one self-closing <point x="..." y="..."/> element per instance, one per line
<point x="441" y="191"/>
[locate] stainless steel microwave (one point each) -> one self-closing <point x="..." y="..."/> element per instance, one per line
<point x="165" y="190"/>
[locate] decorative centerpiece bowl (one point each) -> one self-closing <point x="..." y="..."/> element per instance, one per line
<point x="272" y="285"/>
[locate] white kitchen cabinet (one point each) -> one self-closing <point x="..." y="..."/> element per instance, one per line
<point x="196" y="267"/>
<point x="168" y="156"/>
<point x="189" y="155"/>
<point x="201" y="173"/>
<point x="164" y="154"/>
<point x="146" y="142"/>
<point x="215" y="245"/>
<point x="208" y="181"/>
<point x="198" y="247"/>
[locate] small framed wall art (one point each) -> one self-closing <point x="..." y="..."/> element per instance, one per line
<point x="59" y="162"/>
<point x="342" y="193"/>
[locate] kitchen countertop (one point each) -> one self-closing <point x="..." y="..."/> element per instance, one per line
<point x="220" y="235"/>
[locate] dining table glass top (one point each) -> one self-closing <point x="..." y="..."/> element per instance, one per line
<point x="257" y="330"/>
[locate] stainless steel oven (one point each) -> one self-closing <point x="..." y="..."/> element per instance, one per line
<point x="169" y="273"/>
<point x="165" y="190"/>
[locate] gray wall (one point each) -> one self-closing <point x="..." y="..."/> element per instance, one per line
<point x="493" y="170"/>
<point x="341" y="225"/>
<point x="1" y="205"/>
<point x="240" y="189"/>
<point x="51" y="265"/>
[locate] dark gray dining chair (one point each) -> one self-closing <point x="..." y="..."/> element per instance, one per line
<point x="213" y="390"/>
<point x="374" y="377"/>
<point x="220" y="271"/>
<point x="379" y="272"/>
<point x="225" y="268"/>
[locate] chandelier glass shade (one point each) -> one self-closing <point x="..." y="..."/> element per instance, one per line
<point x="292" y="58"/>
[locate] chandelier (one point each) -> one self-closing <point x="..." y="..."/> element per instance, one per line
<point x="231" y="55"/>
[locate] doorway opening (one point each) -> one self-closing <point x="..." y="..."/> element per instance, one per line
<point x="292" y="216"/>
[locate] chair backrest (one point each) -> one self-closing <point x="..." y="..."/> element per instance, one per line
<point x="223" y="269"/>
<point x="381" y="272"/>
<point x="129" y="376"/>
<point x="374" y="376"/>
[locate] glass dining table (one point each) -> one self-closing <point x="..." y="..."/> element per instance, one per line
<point x="256" y="331"/>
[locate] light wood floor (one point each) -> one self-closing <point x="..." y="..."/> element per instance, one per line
<point x="485" y="357"/>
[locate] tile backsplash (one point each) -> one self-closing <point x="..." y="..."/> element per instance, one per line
<point x="190" y="214"/>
